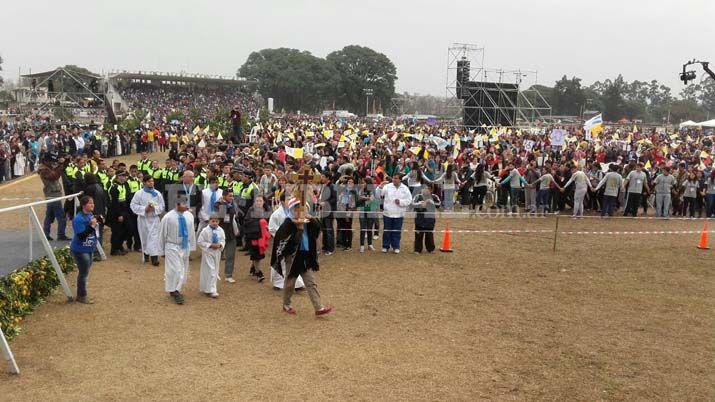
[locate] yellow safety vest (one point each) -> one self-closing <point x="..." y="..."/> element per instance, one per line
<point x="121" y="192"/>
<point x="134" y="184"/>
<point x="237" y="186"/>
<point x="104" y="179"/>
<point x="246" y="192"/>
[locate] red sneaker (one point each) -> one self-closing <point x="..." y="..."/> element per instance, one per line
<point x="323" y="311"/>
<point x="289" y="309"/>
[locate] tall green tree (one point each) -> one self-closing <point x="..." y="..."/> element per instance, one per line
<point x="614" y="105"/>
<point x="296" y="79"/>
<point x="360" y="68"/>
<point x="568" y="96"/>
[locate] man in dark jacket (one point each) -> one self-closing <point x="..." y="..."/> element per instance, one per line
<point x="425" y="205"/>
<point x="51" y="174"/>
<point x="295" y="248"/>
<point x="119" y="213"/>
<point x="227" y="210"/>
<point x="328" y="199"/>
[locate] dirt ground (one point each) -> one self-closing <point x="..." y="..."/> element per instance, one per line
<point x="606" y="317"/>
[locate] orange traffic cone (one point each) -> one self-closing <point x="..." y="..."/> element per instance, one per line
<point x="704" y="237"/>
<point x="447" y="242"/>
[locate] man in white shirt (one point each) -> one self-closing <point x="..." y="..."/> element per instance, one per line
<point x="397" y="198"/>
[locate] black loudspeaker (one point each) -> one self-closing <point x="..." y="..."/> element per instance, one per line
<point x="50" y="86"/>
<point x="489" y="103"/>
<point x="463" y="68"/>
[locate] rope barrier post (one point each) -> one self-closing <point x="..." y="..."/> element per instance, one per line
<point x="51" y="256"/>
<point x="556" y="232"/>
<point x="29" y="231"/>
<point x="8" y="354"/>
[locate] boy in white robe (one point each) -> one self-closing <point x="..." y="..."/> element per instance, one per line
<point x="177" y="240"/>
<point x="148" y="205"/>
<point x="212" y="240"/>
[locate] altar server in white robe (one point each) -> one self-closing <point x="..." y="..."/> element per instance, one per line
<point x="177" y="240"/>
<point x="212" y="240"/>
<point x="148" y="205"/>
<point x="209" y="197"/>
<point x="276" y="220"/>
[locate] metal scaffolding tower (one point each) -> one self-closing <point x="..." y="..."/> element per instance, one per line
<point x="494" y="97"/>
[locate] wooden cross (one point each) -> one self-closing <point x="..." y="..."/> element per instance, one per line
<point x="304" y="178"/>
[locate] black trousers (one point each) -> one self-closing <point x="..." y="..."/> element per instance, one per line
<point x="634" y="201"/>
<point x="120" y="233"/>
<point x="132" y="238"/>
<point x="425" y="237"/>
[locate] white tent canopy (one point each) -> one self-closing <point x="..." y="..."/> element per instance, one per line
<point x="709" y="123"/>
<point x="689" y="123"/>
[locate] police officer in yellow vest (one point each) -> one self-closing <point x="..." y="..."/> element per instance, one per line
<point x="144" y="164"/>
<point x="135" y="184"/>
<point x="119" y="213"/>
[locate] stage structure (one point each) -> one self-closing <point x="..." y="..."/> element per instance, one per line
<point x="397" y="106"/>
<point x="478" y="96"/>
<point x="63" y="93"/>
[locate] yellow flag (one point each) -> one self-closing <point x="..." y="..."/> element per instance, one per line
<point x="296" y="153"/>
<point x="196" y="130"/>
<point x="415" y="150"/>
<point x="308" y="134"/>
<point x="327" y="134"/>
<point x="342" y="138"/>
<point x="703" y="154"/>
<point x="647" y="164"/>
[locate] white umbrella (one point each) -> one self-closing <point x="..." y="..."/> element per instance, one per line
<point x="689" y="123"/>
<point x="709" y="123"/>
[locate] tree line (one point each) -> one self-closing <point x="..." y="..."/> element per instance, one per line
<point x="298" y="80"/>
<point x="649" y="101"/>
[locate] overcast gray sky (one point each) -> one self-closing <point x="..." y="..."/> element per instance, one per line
<point x="593" y="40"/>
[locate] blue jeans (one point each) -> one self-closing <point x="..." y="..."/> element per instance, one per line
<point x="328" y="234"/>
<point x="609" y="204"/>
<point x="710" y="203"/>
<point x="391" y="232"/>
<point x="544" y="199"/>
<point x="84" y="262"/>
<point x="55" y="211"/>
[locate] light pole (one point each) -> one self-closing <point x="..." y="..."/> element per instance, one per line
<point x="368" y="92"/>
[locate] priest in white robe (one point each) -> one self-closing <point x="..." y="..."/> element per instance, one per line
<point x="212" y="240"/>
<point x="176" y="241"/>
<point x="276" y="220"/>
<point x="209" y="197"/>
<point x="148" y="205"/>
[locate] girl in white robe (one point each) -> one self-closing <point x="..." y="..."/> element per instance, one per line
<point x="212" y="240"/>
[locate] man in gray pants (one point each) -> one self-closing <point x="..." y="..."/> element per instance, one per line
<point x="227" y="210"/>
<point x="663" y="185"/>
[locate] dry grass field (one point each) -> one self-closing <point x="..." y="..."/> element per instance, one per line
<point x="606" y="317"/>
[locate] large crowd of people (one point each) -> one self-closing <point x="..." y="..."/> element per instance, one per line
<point x="301" y="182"/>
